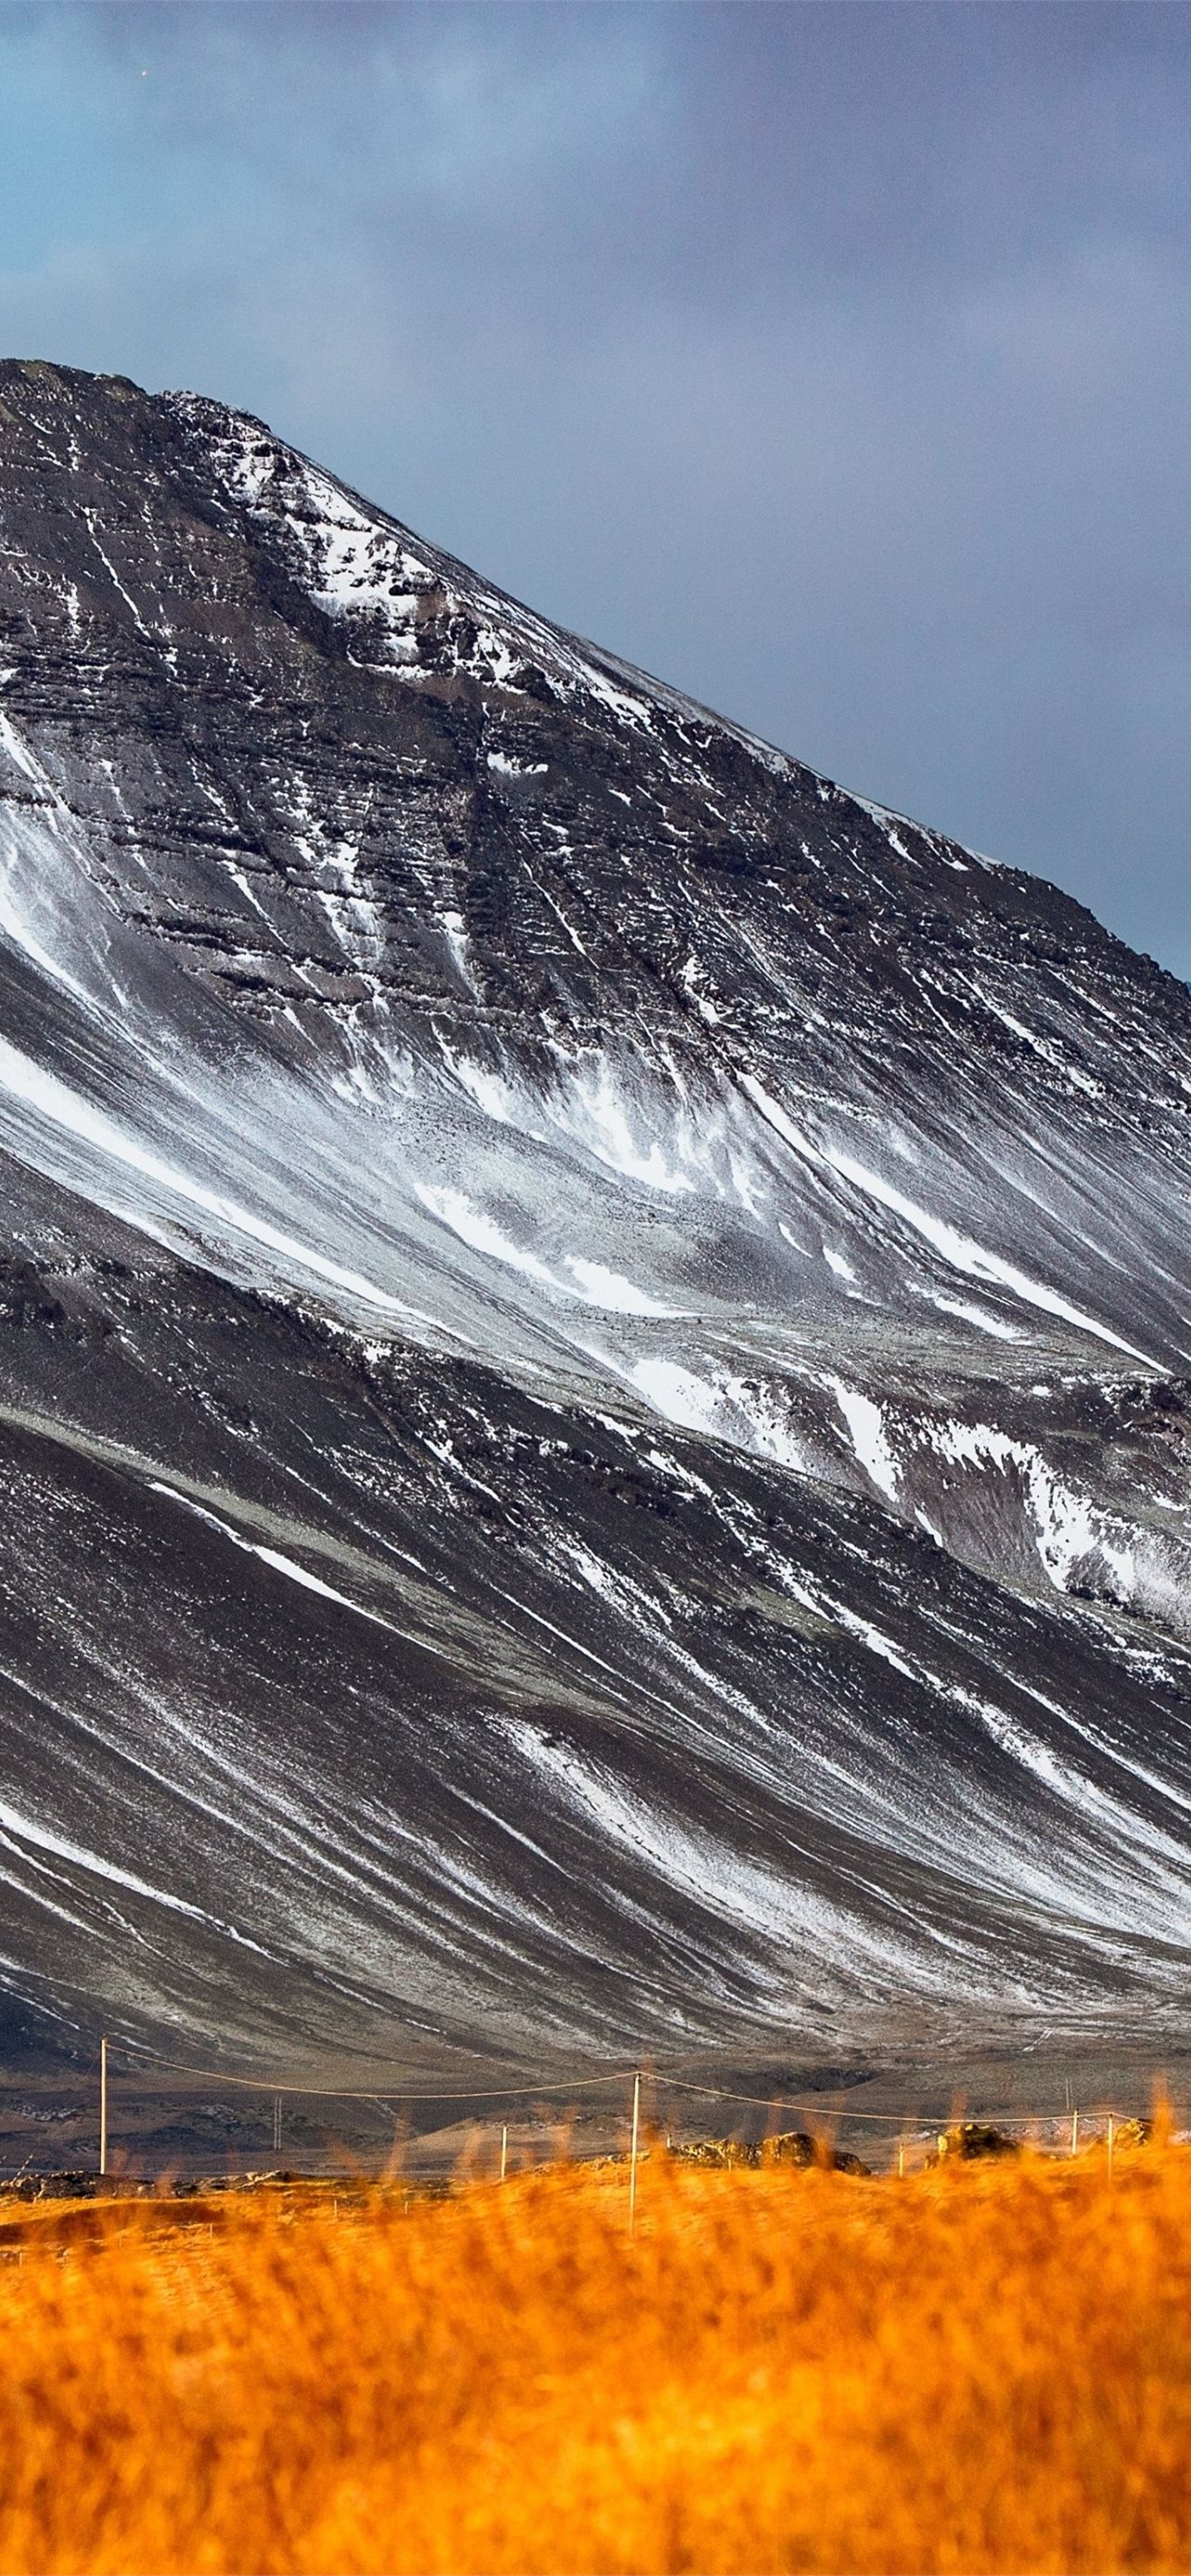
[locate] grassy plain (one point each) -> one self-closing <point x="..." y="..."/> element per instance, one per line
<point x="977" y="2368"/>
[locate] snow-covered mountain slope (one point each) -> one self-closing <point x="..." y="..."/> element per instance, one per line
<point x="595" y="1345"/>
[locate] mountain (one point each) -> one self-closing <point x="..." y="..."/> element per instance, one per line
<point x="595" y="1409"/>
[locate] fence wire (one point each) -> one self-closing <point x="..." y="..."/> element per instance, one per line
<point x="399" y="2096"/>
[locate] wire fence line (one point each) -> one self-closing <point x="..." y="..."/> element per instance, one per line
<point x="397" y="2093"/>
<point x="845" y="2110"/>
<point x="399" y="2096"/>
<point x="393" y="2099"/>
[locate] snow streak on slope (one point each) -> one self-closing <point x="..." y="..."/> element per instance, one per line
<point x="593" y="1333"/>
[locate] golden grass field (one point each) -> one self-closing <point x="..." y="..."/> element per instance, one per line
<point x="986" y="2367"/>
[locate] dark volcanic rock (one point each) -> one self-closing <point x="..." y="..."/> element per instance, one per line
<point x="790" y="2147"/>
<point x="972" y="2139"/>
<point x="594" y="1341"/>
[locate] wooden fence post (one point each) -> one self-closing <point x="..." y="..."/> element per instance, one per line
<point x="633" y="2152"/>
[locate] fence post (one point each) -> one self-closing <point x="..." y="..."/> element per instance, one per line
<point x="1074" y="2132"/>
<point x="103" y="2106"/>
<point x="901" y="2158"/>
<point x="633" y="2152"/>
<point x="504" y="2150"/>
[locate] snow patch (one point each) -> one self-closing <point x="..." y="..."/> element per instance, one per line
<point x="866" y="1430"/>
<point x="956" y="1248"/>
<point x="589" y="1280"/>
<point x="270" y="1556"/>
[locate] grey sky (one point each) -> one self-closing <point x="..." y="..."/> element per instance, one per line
<point x="831" y="360"/>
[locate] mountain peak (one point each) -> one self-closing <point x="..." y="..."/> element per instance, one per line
<point x="593" y="1331"/>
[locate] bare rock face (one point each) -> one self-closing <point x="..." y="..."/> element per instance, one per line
<point x="595" y="1362"/>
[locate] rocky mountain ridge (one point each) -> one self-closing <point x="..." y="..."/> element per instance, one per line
<point x="595" y="1363"/>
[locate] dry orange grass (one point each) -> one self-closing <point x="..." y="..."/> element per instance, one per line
<point x="974" y="2369"/>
